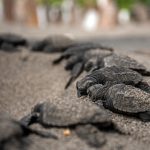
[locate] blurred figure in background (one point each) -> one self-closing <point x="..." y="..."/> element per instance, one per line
<point x="108" y="10"/>
<point x="68" y="11"/>
<point x="23" y="11"/>
<point x="9" y="10"/>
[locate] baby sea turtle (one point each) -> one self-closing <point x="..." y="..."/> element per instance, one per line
<point x="112" y="75"/>
<point x="81" y="116"/>
<point x="53" y="114"/>
<point x="80" y="48"/>
<point x="123" y="99"/>
<point x="9" y="41"/>
<point x="124" y="61"/>
<point x="78" y="63"/>
<point x="80" y="56"/>
<point x="54" y="43"/>
<point x="12" y="130"/>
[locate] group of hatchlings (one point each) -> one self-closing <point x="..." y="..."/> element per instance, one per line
<point x="117" y="82"/>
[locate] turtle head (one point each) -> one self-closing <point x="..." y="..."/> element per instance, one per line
<point x="96" y="92"/>
<point x="83" y="85"/>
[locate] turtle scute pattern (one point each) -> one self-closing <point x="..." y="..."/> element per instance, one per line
<point x="114" y="74"/>
<point x="121" y="90"/>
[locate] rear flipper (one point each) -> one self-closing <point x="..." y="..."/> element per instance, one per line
<point x="76" y="71"/>
<point x="144" y="86"/>
<point x="91" y="135"/>
<point x="72" y="61"/>
<point x="58" y="60"/>
<point x="41" y="133"/>
<point x="145" y="116"/>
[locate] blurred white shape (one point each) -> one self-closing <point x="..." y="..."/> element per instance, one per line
<point x="103" y="3"/>
<point x="41" y="14"/>
<point x="124" y="16"/>
<point x="91" y="19"/>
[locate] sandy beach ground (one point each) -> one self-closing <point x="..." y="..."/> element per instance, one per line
<point x="24" y="83"/>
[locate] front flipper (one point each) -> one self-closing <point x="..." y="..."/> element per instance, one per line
<point x="29" y="119"/>
<point x="76" y="71"/>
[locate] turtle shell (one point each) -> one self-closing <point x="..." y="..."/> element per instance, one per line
<point x="112" y="74"/>
<point x="128" y="99"/>
<point x="66" y="113"/>
<point x="123" y="61"/>
<point x="54" y="43"/>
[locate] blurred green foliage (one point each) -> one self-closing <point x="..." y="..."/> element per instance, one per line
<point x="125" y="3"/>
<point x="87" y="3"/>
<point x="50" y="2"/>
<point x="129" y="3"/>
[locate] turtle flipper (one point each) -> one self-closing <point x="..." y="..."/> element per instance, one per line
<point x="76" y="71"/>
<point x="145" y="116"/>
<point x="29" y="119"/>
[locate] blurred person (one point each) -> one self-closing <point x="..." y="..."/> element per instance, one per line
<point x="26" y="12"/>
<point x="68" y="11"/>
<point x="55" y="14"/>
<point x="9" y="10"/>
<point x="31" y="18"/>
<point x="109" y="13"/>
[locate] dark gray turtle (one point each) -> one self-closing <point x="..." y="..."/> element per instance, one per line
<point x="112" y="75"/>
<point x="78" y="63"/>
<point x="79" y="58"/>
<point x="123" y="99"/>
<point x="80" y="48"/>
<point x="9" y="41"/>
<point x="53" y="114"/>
<point x="13" y="131"/>
<point x="13" y="39"/>
<point x="75" y="115"/>
<point x="124" y="61"/>
<point x="54" y="43"/>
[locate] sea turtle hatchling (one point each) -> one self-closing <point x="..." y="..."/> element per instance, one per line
<point x="80" y="57"/>
<point x="53" y="114"/>
<point x="112" y="75"/>
<point x="124" y="61"/>
<point x="12" y="130"/>
<point x="9" y="41"/>
<point x="78" y="63"/>
<point x="53" y="43"/>
<point x="123" y="99"/>
<point x="82" y="117"/>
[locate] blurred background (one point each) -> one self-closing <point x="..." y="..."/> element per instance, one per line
<point x="88" y="15"/>
<point x="122" y="24"/>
